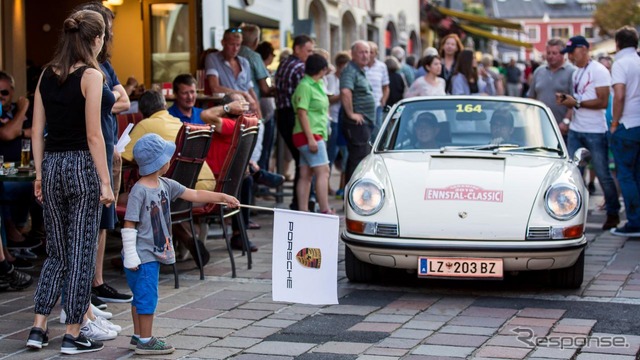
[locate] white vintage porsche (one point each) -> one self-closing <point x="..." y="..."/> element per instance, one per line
<point x="467" y="187"/>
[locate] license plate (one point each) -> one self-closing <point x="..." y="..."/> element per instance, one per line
<point x="460" y="267"/>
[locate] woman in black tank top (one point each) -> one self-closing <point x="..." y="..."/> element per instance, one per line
<point x="72" y="179"/>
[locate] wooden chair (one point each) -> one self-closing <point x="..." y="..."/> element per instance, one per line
<point x="229" y="181"/>
<point x="126" y="119"/>
<point x="192" y="145"/>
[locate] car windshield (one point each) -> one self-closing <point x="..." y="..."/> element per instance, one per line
<point x="470" y="125"/>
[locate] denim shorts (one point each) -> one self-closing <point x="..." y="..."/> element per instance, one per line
<point x="307" y="158"/>
<point x="144" y="286"/>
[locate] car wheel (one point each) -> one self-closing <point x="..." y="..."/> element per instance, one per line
<point x="358" y="271"/>
<point x="571" y="277"/>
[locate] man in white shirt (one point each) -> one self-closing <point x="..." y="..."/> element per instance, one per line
<point x="625" y="126"/>
<point x="378" y="76"/>
<point x="588" y="128"/>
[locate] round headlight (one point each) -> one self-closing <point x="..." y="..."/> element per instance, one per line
<point x="563" y="201"/>
<point x="366" y="197"/>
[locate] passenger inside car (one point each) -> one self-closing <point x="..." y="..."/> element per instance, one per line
<point x="426" y="131"/>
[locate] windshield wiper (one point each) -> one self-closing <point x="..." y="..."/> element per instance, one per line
<point x="478" y="147"/>
<point x="535" y="148"/>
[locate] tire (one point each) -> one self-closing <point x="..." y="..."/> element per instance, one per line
<point x="358" y="271"/>
<point x="571" y="277"/>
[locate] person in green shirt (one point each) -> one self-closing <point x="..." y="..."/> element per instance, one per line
<point x="310" y="133"/>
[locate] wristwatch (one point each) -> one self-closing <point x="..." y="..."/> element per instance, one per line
<point x="225" y="108"/>
<point x="577" y="106"/>
<point x="566" y="121"/>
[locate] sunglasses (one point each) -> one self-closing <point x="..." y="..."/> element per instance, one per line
<point x="234" y="30"/>
<point x="4" y="92"/>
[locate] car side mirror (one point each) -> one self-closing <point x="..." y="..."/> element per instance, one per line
<point x="582" y="156"/>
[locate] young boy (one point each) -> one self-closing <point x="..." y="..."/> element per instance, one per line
<point x="146" y="239"/>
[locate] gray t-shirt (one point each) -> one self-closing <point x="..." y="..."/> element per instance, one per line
<point x="546" y="83"/>
<point x="149" y="208"/>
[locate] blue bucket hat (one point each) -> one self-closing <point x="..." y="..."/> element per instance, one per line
<point x="151" y="152"/>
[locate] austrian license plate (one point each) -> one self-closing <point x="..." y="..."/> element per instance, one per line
<point x="460" y="267"/>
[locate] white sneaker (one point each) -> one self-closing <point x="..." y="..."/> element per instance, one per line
<point x="101" y="313"/>
<point x="94" y="331"/>
<point x="97" y="312"/>
<point x="106" y="324"/>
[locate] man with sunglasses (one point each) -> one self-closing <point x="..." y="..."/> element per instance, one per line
<point x="229" y="73"/>
<point x="588" y="127"/>
<point x="15" y="126"/>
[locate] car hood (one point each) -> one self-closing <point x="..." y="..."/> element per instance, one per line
<point x="466" y="197"/>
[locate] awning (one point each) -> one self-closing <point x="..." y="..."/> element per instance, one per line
<point x="498" y="38"/>
<point x="478" y="19"/>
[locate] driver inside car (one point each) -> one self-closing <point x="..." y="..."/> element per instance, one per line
<point x="501" y="127"/>
<point x="426" y="131"/>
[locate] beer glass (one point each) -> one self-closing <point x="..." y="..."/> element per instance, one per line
<point x="25" y="156"/>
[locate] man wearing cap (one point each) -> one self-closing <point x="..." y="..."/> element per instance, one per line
<point x="588" y="127"/>
<point x="625" y="126"/>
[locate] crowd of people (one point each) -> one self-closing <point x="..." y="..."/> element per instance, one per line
<point x="326" y="110"/>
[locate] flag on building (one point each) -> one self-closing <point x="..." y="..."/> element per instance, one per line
<point x="305" y="257"/>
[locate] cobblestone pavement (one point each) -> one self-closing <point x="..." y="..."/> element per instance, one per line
<point x="398" y="318"/>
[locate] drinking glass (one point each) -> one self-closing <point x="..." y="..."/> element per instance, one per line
<point x="25" y="155"/>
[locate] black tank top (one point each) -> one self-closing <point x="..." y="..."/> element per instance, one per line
<point x="64" y="107"/>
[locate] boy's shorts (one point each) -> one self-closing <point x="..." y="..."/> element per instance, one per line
<point x="144" y="286"/>
<point x="319" y="158"/>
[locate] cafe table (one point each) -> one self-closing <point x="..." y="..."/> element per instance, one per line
<point x="26" y="175"/>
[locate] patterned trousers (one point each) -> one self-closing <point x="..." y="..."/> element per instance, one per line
<point x="71" y="201"/>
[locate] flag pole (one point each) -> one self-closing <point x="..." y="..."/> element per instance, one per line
<point x="250" y="207"/>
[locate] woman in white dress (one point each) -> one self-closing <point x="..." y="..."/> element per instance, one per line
<point x="431" y="84"/>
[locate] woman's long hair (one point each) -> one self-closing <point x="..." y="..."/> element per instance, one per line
<point x="458" y="44"/>
<point x="464" y="66"/>
<point x="75" y="45"/>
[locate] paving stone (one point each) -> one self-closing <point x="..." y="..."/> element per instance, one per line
<point x="235" y="342"/>
<point x="214" y="353"/>
<point x="577" y="322"/>
<point x="412" y="304"/>
<point x="261" y="357"/>
<point x="522" y="330"/>
<point x="470" y="330"/>
<point x="376" y="357"/>
<point x="477" y="321"/>
<point x="326" y="356"/>
<point x="349" y="309"/>
<point x="501" y="352"/>
<point x="509" y="340"/>
<point x="423" y="325"/>
<point x="254" y="305"/>
<point x="488" y="312"/>
<point x="246" y="314"/>
<point x="541" y="313"/>
<point x="190" y="314"/>
<point x="527" y="321"/>
<point x="259" y="332"/>
<point x="455" y="339"/>
<point x="554" y="353"/>
<point x="275" y="323"/>
<point x="207" y="331"/>
<point x="440" y="350"/>
<point x="397" y="343"/>
<point x="280" y="348"/>
<point x="225" y="323"/>
<point x="411" y="334"/>
<point x="375" y="350"/>
<point x="594" y="347"/>
<point x="388" y="318"/>
<point x="592" y="356"/>
<point x="433" y="317"/>
<point x="572" y="329"/>
<point x="337" y="347"/>
<point x="374" y="326"/>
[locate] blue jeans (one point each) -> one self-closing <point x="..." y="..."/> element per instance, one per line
<point x="596" y="143"/>
<point x="267" y="143"/>
<point x="377" y="125"/>
<point x="625" y="145"/>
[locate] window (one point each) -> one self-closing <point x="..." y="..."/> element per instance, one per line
<point x="533" y="33"/>
<point x="562" y="32"/>
<point x="169" y="28"/>
<point x="588" y="31"/>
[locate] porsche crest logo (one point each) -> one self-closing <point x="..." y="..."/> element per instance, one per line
<point x="309" y="257"/>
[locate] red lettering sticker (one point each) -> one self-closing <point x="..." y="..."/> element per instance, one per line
<point x="463" y="192"/>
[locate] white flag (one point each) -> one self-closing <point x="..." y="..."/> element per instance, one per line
<point x="305" y="257"/>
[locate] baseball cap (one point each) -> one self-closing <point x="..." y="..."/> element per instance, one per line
<point x="151" y="152"/>
<point x="573" y="43"/>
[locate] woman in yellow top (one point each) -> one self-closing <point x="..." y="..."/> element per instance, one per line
<point x="311" y="104"/>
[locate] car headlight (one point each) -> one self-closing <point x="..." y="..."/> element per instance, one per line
<point x="366" y="197"/>
<point x="563" y="201"/>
